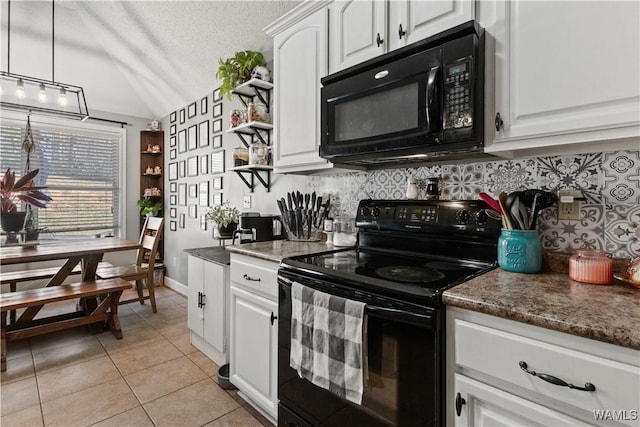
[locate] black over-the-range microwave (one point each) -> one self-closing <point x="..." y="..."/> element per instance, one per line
<point x="423" y="102"/>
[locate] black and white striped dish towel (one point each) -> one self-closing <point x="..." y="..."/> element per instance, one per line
<point x="327" y="341"/>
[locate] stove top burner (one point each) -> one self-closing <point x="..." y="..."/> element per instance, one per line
<point x="409" y="274"/>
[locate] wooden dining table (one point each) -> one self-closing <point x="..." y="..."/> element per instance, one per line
<point x="88" y="253"/>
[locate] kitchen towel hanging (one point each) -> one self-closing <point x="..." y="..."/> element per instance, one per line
<point x="327" y="341"/>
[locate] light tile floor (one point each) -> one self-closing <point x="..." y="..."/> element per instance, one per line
<point x="152" y="377"/>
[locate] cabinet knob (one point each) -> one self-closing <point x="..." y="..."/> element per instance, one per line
<point x="499" y="122"/>
<point x="379" y="40"/>
<point x="401" y="32"/>
<point x="459" y="402"/>
<point x="273" y="317"/>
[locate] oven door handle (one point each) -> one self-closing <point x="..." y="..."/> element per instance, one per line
<point x="419" y="319"/>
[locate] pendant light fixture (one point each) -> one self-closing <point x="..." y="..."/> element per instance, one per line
<point x="31" y="93"/>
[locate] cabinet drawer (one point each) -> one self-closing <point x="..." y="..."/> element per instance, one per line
<point x="498" y="353"/>
<point x="255" y="274"/>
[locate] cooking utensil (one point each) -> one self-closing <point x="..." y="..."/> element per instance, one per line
<point x="543" y="201"/>
<point x="506" y="216"/>
<point x="495" y="205"/>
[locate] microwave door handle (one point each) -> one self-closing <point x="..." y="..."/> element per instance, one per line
<point x="431" y="95"/>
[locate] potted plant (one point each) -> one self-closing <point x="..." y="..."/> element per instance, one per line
<point x="237" y="69"/>
<point x="13" y="192"/>
<point x="226" y="218"/>
<point x="149" y="207"/>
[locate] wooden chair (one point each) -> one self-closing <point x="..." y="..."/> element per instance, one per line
<point x="143" y="269"/>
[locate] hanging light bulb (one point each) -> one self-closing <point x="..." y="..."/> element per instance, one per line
<point x="62" y="99"/>
<point x="42" y="95"/>
<point x="20" y="89"/>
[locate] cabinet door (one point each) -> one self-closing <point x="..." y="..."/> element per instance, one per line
<point x="356" y="26"/>
<point x="488" y="406"/>
<point x="420" y="19"/>
<point x="195" y="283"/>
<point x="253" y="351"/>
<point x="214" y="305"/>
<point x="565" y="72"/>
<point x="300" y="60"/>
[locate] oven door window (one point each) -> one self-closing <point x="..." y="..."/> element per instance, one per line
<point x="401" y="380"/>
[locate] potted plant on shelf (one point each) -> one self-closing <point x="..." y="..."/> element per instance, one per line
<point x="13" y="192"/>
<point x="148" y="207"/>
<point x="226" y="218"/>
<point x="237" y="69"/>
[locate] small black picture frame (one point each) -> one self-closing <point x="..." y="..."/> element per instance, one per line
<point x="204" y="105"/>
<point x="172" y="129"/>
<point x="182" y="141"/>
<point x="173" y="154"/>
<point x="203" y="132"/>
<point x="181" y="220"/>
<point x="216" y="95"/>
<point x="173" y="171"/>
<point x="193" y="211"/>
<point x="173" y="213"/>
<point x="193" y="191"/>
<point x="192" y="138"/>
<point x="182" y="194"/>
<point x="173" y="187"/>
<point x="217" y="126"/>
<point x="204" y="164"/>
<point x="172" y="226"/>
<point x="173" y="200"/>
<point x="217" y="141"/>
<point x="217" y="110"/>
<point x="173" y="141"/>
<point x="192" y="110"/>
<point x="182" y="116"/>
<point x="217" y="183"/>
<point x="192" y="166"/>
<point x="203" y="193"/>
<point x="217" y="162"/>
<point x="182" y="169"/>
<point x="203" y="222"/>
<point x="173" y="116"/>
<point x="217" y="199"/>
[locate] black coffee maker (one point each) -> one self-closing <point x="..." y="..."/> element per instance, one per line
<point x="256" y="228"/>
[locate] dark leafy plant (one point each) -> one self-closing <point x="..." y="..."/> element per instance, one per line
<point x="149" y="207"/>
<point x="223" y="215"/>
<point x="22" y="190"/>
<point x="237" y="69"/>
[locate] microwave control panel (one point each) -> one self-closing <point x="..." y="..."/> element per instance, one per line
<point x="458" y="93"/>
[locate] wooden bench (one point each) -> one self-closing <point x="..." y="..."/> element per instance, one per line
<point x="108" y="290"/>
<point x="12" y="278"/>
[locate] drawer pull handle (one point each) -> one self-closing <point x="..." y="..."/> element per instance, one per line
<point x="247" y="277"/>
<point x="273" y="317"/>
<point x="555" y="380"/>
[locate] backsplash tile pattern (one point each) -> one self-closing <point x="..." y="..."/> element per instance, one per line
<point x="610" y="217"/>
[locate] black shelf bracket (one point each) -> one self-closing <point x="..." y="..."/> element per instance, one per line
<point x="255" y="174"/>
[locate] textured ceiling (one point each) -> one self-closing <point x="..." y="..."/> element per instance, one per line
<point x="137" y="58"/>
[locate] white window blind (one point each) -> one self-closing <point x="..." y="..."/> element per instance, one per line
<point x="80" y="169"/>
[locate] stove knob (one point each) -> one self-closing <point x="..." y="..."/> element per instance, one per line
<point x="375" y="212"/>
<point x="364" y="211"/>
<point x="481" y="217"/>
<point x="462" y="216"/>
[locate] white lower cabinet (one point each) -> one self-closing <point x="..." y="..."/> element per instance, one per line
<point x="253" y="355"/>
<point x="207" y="312"/>
<point x="502" y="372"/>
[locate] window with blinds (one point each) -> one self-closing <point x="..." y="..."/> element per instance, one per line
<point x="80" y="170"/>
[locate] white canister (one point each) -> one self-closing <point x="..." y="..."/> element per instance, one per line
<point x="344" y="231"/>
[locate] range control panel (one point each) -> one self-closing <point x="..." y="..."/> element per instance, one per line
<point x="427" y="216"/>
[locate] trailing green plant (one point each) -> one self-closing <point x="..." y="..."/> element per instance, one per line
<point x="22" y="190"/>
<point x="149" y="207"/>
<point x="223" y="214"/>
<point x="237" y="69"/>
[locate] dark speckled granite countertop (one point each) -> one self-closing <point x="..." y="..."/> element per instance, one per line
<point x="277" y="250"/>
<point x="215" y="254"/>
<point x="608" y="313"/>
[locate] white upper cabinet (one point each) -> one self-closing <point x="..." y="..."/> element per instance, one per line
<point x="566" y="73"/>
<point x="364" y="29"/>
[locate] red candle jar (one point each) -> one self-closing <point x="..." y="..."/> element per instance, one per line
<point x="591" y="266"/>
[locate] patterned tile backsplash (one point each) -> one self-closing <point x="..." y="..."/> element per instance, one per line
<point x="610" y="217"/>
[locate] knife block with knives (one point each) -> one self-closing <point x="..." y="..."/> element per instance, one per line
<point x="303" y="215"/>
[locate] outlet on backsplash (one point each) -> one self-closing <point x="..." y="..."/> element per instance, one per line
<point x="569" y="204"/>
